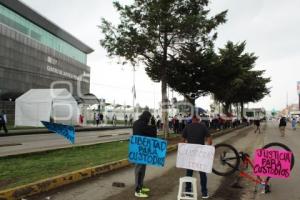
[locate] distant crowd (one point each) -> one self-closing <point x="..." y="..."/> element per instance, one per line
<point x="178" y="122"/>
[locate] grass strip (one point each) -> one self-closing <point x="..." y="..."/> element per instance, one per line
<point x="19" y="170"/>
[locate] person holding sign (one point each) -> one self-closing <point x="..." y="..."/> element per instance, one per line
<point x="144" y="126"/>
<point x="197" y="133"/>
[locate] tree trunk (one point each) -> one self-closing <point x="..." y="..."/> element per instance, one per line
<point x="226" y="108"/>
<point x="164" y="88"/>
<point x="242" y="110"/>
<point x="192" y="101"/>
<point x="237" y="111"/>
<point x="165" y="109"/>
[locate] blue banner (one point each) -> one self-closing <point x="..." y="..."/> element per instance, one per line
<point x="66" y="131"/>
<point x="147" y="150"/>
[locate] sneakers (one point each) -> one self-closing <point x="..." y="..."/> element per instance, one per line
<point x="205" y="196"/>
<point x="145" y="189"/>
<point x="140" y="194"/>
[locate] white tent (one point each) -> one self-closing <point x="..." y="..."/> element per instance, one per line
<point x="38" y="105"/>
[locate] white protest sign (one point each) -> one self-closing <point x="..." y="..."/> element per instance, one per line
<point x="195" y="156"/>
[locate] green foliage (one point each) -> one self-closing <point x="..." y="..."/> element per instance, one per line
<point x="157" y="31"/>
<point x="237" y="81"/>
<point x="24" y="169"/>
<point x="192" y="73"/>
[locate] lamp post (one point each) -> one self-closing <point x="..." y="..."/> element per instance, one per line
<point x="133" y="91"/>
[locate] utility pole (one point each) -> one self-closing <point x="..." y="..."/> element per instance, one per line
<point x="133" y="91"/>
<point x="154" y="99"/>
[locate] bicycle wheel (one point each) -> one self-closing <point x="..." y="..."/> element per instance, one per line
<point x="280" y="146"/>
<point x="226" y="160"/>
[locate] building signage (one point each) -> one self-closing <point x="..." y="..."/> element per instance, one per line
<point x="67" y="74"/>
<point x="55" y="70"/>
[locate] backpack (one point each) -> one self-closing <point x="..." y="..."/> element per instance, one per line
<point x="1" y="118"/>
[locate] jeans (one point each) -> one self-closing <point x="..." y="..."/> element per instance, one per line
<point x="140" y="171"/>
<point x="4" y="127"/>
<point x="203" y="182"/>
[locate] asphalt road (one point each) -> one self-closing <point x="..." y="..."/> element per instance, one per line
<point x="12" y="145"/>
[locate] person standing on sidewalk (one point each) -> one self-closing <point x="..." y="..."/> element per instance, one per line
<point x="257" y="124"/>
<point x="114" y="120"/>
<point x="3" y="121"/>
<point x="282" y="125"/>
<point x="197" y="133"/>
<point x="97" y="119"/>
<point x="144" y="126"/>
<point x="294" y="123"/>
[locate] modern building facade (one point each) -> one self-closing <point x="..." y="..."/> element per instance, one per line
<point x="35" y="53"/>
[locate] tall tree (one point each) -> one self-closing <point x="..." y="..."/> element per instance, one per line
<point x="191" y="74"/>
<point x="252" y="88"/>
<point x="153" y="31"/>
<point x="238" y="82"/>
<point x="228" y="69"/>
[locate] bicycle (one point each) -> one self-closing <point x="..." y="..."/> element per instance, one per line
<point x="227" y="161"/>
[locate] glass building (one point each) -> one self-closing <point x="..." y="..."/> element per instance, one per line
<point x="36" y="53"/>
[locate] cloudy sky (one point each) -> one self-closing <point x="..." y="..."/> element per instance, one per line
<point x="270" y="28"/>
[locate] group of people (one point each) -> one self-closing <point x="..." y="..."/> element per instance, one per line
<point x="282" y="125"/>
<point x="99" y="118"/>
<point x="3" y="121"/>
<point x="178" y="122"/>
<point x="194" y="133"/>
<point x="283" y="122"/>
<point x="128" y="120"/>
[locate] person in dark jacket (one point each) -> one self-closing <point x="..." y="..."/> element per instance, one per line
<point x="282" y="125"/>
<point x="3" y="121"/>
<point x="144" y="126"/>
<point x="257" y="124"/>
<point x="197" y="133"/>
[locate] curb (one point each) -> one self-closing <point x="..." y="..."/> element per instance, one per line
<point x="58" y="181"/>
<point x="75" y="176"/>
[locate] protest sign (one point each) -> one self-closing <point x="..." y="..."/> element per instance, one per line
<point x="147" y="150"/>
<point x="195" y="156"/>
<point x="66" y="131"/>
<point x="272" y="163"/>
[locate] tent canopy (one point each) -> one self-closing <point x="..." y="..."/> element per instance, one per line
<point x="38" y="105"/>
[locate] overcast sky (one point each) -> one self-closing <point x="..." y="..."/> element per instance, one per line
<point x="270" y="28"/>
